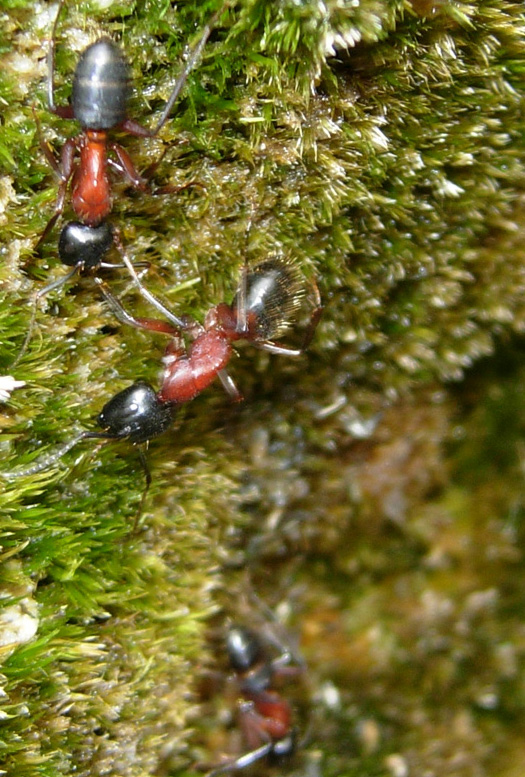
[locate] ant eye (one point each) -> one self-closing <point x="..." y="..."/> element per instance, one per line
<point x="136" y="413"/>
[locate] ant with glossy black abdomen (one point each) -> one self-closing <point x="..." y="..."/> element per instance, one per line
<point x="264" y="715"/>
<point x="101" y="88"/>
<point x="268" y="297"/>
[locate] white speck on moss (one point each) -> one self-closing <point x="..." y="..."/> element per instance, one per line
<point x="19" y="623"/>
<point x="7" y="385"/>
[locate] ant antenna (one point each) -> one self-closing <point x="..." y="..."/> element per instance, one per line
<point x="44" y="462"/>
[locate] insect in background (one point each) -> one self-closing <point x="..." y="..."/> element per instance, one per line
<point x="100" y="93"/>
<point x="268" y="298"/>
<point x="264" y="715"/>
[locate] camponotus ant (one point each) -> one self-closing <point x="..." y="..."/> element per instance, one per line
<point x="101" y="88"/>
<point x="268" y="297"/>
<point x="265" y="717"/>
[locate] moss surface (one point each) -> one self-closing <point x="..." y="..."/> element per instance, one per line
<point x="380" y="147"/>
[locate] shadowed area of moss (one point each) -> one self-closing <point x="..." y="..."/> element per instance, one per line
<point x="380" y="146"/>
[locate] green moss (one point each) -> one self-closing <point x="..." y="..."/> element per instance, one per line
<point x="393" y="173"/>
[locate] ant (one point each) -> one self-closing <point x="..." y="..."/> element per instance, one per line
<point x="268" y="296"/>
<point x="265" y="717"/>
<point x="101" y="88"/>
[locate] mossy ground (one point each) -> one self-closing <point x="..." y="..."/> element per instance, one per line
<point x="380" y="146"/>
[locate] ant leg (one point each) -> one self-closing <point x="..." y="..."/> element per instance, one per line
<point x="229" y="386"/>
<point x="65" y="170"/>
<point x="150" y="324"/>
<point x="51" y="62"/>
<point x="150" y="169"/>
<point x="179" y="323"/>
<point x="242" y="324"/>
<point x="240" y="311"/>
<point x="42" y="293"/>
<point x="120" y="265"/>
<point x="243" y="761"/>
<point x="125" y="166"/>
<point x="147" y="474"/>
<point x="170" y="189"/>
<point x="281" y="350"/>
<point x="195" y="53"/>
<point x="127" y="169"/>
<point x="64" y="111"/>
<point x="44" y="146"/>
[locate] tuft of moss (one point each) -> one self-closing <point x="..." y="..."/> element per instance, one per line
<point x="379" y="147"/>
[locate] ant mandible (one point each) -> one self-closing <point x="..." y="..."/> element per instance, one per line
<point x="101" y="88"/>
<point x="265" y="717"/>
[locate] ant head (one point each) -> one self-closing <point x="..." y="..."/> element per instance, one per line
<point x="244" y="648"/>
<point x="80" y="245"/>
<point x="101" y="86"/>
<point x="136" y="413"/>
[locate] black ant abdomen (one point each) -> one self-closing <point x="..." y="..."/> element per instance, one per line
<point x="273" y="292"/>
<point x="101" y="86"/>
<point x="136" y="414"/>
<point x="82" y="246"/>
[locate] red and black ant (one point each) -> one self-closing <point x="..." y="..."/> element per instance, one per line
<point x="265" y="717"/>
<point x="268" y="296"/>
<point x="101" y="88"/>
